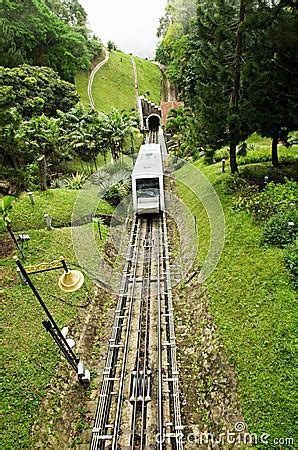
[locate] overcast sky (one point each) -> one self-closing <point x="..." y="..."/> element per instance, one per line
<point x="131" y="24"/>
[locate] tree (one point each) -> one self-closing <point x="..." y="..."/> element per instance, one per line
<point x="117" y="127"/>
<point x="33" y="91"/>
<point x="206" y="63"/>
<point x="111" y="46"/>
<point x="28" y="92"/>
<point x="32" y="33"/>
<point x="82" y="133"/>
<point x="70" y="11"/>
<point x="39" y="136"/>
<point x="273" y="85"/>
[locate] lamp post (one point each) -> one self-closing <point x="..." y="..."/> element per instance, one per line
<point x="70" y="281"/>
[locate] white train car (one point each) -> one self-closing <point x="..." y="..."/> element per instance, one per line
<point x="148" y="181"/>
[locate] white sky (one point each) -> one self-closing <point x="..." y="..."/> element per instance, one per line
<point x="131" y="24"/>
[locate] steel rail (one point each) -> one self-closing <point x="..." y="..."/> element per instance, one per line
<point x="125" y="353"/>
<point x="159" y="344"/>
<point x="147" y="341"/>
<point x="173" y="370"/>
<point x="137" y="364"/>
<point x="102" y="411"/>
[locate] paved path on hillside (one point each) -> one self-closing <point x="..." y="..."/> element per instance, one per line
<point x="135" y="74"/>
<point x="92" y="75"/>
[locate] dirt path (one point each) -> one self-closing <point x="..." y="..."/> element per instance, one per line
<point x="92" y="75"/>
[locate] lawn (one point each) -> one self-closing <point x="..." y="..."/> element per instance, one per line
<point x="150" y="79"/>
<point x="58" y="203"/>
<point x="259" y="150"/>
<point x="252" y="303"/>
<point x="29" y="356"/>
<point x="113" y="85"/>
<point x="81" y="83"/>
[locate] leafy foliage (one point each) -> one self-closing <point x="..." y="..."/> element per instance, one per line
<point x="36" y="33"/>
<point x="31" y="91"/>
<point x="273" y="199"/>
<point x="277" y="230"/>
<point x="75" y="181"/>
<point x="234" y="68"/>
<point x="5" y="208"/>
<point x="111" y="46"/>
<point x="291" y="261"/>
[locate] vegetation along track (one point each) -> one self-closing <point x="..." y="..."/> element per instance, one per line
<point x="138" y="405"/>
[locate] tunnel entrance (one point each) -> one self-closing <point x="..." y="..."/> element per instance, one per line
<point x="153" y="122"/>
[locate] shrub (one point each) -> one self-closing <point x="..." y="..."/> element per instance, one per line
<point x="21" y="179"/>
<point x="291" y="261"/>
<point x="115" y="193"/>
<point x="57" y="183"/>
<point x="264" y="204"/>
<point x="223" y="153"/>
<point x="277" y="230"/>
<point x="75" y="181"/>
<point x="256" y="173"/>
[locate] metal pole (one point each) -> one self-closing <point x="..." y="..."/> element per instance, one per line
<point x="44" y="307"/>
<point x="64" y="264"/>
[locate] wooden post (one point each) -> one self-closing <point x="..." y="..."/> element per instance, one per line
<point x="42" y="167"/>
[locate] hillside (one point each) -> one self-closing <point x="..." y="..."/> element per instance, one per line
<point x="150" y="79"/>
<point x="114" y="87"/>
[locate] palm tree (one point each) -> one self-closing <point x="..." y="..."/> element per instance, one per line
<point x="117" y="127"/>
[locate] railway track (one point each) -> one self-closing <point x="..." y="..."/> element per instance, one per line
<point x="152" y="137"/>
<point x="138" y="405"/>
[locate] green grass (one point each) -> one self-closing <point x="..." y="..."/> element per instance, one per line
<point x="29" y="356"/>
<point x="260" y="153"/>
<point x="113" y="85"/>
<point x="58" y="203"/>
<point x="81" y="83"/>
<point x="150" y="80"/>
<point x="252" y="302"/>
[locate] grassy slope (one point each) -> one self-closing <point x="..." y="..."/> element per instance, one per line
<point x="150" y="79"/>
<point x="114" y="84"/>
<point x="29" y="355"/>
<point x="252" y="303"/>
<point x="81" y="83"/>
<point x="58" y="203"/>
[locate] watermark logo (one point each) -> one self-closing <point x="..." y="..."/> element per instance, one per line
<point x="239" y="437"/>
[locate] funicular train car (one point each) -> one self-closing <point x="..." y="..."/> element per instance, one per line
<point x="147" y="181"/>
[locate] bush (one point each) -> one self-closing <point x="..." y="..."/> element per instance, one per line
<point x="291" y="261"/>
<point x="264" y="204"/>
<point x="255" y="174"/>
<point x="75" y="181"/>
<point x="277" y="230"/>
<point x="21" y="179"/>
<point x="223" y="153"/>
<point x="115" y="193"/>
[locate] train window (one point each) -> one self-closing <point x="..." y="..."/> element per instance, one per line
<point x="148" y="187"/>
<point x="145" y="183"/>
